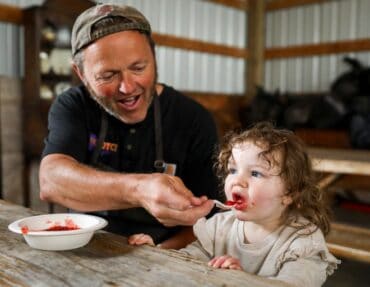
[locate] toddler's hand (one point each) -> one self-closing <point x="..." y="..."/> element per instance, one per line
<point x="225" y="262"/>
<point x="140" y="239"/>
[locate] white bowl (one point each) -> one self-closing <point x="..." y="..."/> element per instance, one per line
<point x="34" y="230"/>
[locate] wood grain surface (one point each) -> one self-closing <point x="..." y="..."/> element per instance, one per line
<point x="342" y="161"/>
<point x="106" y="261"/>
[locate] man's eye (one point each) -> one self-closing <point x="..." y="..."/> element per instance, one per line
<point x="138" y="68"/>
<point x="106" y="76"/>
<point x="255" y="173"/>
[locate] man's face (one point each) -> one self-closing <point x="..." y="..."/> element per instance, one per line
<point x="120" y="73"/>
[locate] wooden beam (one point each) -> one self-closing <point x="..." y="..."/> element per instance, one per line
<point x="270" y="6"/>
<point x="238" y="4"/>
<point x="256" y="36"/>
<point x="284" y="4"/>
<point x="269" y="53"/>
<point x="11" y="14"/>
<point x="318" y="49"/>
<point x="197" y="45"/>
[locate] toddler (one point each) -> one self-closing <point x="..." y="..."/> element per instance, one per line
<point x="279" y="217"/>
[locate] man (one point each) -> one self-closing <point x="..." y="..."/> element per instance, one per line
<point x="122" y="144"/>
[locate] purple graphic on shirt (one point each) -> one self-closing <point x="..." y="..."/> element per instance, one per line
<point x="107" y="147"/>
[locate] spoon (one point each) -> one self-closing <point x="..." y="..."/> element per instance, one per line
<point x="221" y="205"/>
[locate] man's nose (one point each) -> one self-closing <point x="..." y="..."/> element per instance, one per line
<point x="127" y="85"/>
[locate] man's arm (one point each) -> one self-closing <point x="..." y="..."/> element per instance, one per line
<point x="67" y="182"/>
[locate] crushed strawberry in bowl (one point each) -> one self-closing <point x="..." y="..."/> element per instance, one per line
<point x="58" y="231"/>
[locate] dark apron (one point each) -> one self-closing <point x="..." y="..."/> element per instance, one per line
<point x="134" y="220"/>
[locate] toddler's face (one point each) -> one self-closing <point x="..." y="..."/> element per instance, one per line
<point x="256" y="186"/>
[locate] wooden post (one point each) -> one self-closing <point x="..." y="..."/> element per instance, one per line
<point x="1" y="149"/>
<point x="256" y="46"/>
<point x="14" y="15"/>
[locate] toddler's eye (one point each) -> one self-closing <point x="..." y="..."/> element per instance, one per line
<point x="256" y="173"/>
<point x="232" y="170"/>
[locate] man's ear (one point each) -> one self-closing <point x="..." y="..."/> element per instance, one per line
<point x="78" y="72"/>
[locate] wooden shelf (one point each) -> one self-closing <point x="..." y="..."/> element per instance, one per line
<point x="55" y="78"/>
<point x="35" y="108"/>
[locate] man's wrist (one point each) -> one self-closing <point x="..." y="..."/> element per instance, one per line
<point x="135" y="183"/>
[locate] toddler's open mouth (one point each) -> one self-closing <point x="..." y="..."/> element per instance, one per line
<point x="239" y="202"/>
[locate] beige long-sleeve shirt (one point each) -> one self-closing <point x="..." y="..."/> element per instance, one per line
<point x="288" y="254"/>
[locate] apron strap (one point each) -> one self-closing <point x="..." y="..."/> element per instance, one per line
<point x="159" y="163"/>
<point x="100" y="141"/>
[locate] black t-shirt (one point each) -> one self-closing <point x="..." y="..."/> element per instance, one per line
<point x="189" y="139"/>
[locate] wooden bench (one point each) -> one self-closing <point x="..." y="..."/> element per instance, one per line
<point x="344" y="240"/>
<point x="350" y="242"/>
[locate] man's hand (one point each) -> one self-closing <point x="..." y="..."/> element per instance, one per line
<point x="168" y="200"/>
<point x="225" y="262"/>
<point x="67" y="182"/>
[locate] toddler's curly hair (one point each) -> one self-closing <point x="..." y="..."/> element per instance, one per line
<point x="284" y="149"/>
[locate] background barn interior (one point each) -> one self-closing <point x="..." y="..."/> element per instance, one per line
<point x="215" y="51"/>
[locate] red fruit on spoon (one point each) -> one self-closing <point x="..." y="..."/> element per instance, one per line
<point x="230" y="203"/>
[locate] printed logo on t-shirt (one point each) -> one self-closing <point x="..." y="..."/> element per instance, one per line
<point x="107" y="147"/>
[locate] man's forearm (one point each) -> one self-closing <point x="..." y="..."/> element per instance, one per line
<point x="65" y="181"/>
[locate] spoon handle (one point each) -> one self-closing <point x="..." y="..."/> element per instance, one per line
<point x="221" y="205"/>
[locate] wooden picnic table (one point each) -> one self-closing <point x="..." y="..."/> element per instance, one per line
<point x="340" y="161"/>
<point x="106" y="261"/>
<point x="344" y="240"/>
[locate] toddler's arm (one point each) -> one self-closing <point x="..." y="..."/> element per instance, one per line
<point x="140" y="239"/>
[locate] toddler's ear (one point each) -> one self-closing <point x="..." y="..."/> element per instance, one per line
<point x="286" y="200"/>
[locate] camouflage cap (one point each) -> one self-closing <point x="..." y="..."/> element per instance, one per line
<point x="82" y="34"/>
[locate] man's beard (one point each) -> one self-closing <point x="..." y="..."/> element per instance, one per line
<point x="107" y="104"/>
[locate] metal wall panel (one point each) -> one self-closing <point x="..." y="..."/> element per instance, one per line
<point x="199" y="20"/>
<point x="318" y="23"/>
<point x="11" y="59"/>
<point x="12" y="43"/>
<point x="186" y="70"/>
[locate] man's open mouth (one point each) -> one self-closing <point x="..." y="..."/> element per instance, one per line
<point x="129" y="102"/>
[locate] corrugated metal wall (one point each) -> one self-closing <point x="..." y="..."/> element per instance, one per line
<point x="200" y="20"/>
<point x="12" y="44"/>
<point x="197" y="19"/>
<point x="318" y="23"/>
<point x="185" y="70"/>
